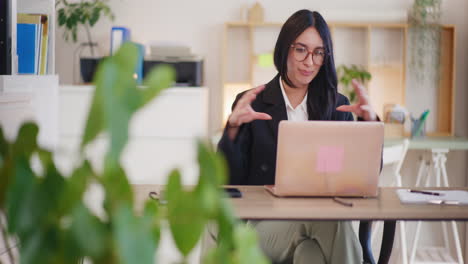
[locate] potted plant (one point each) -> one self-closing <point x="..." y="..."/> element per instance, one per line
<point x="85" y="14"/>
<point x="45" y="210"/>
<point x="424" y="42"/>
<point x="346" y="74"/>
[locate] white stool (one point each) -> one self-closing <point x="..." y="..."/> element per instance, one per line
<point x="426" y="168"/>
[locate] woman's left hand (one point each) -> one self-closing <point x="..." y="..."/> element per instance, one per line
<point x="362" y="108"/>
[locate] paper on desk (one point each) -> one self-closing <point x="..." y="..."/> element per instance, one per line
<point x="448" y="197"/>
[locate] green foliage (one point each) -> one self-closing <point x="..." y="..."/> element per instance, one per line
<point x="424" y="41"/>
<point x="45" y="208"/>
<point x="85" y="13"/>
<point x="347" y="74"/>
<point x="425" y="12"/>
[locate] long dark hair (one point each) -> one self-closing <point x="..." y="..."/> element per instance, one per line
<point x="323" y="88"/>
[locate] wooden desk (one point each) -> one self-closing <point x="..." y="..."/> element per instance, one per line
<point x="257" y="203"/>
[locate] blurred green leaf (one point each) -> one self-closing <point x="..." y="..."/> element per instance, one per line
<point x="220" y="254"/>
<point x="49" y="193"/>
<point x="133" y="241"/>
<point x="212" y="175"/>
<point x="158" y="79"/>
<point x="5" y="167"/>
<point x="115" y="99"/>
<point x="33" y="202"/>
<point x="174" y="185"/>
<point x="116" y="186"/>
<point x="209" y="197"/>
<point x="185" y="214"/>
<point x="33" y="250"/>
<point x="95" y="122"/>
<point x="212" y="166"/>
<point x="126" y="59"/>
<point x="248" y="250"/>
<point x="226" y="223"/>
<point x="88" y="232"/>
<point x="151" y="215"/>
<point x="75" y="187"/>
<point x="46" y="159"/>
<point x="4" y="145"/>
<point x="21" y="200"/>
<point x="26" y="141"/>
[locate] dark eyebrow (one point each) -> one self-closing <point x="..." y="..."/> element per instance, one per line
<point x="305" y="46"/>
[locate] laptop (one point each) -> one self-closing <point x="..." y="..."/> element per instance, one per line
<point x="328" y="158"/>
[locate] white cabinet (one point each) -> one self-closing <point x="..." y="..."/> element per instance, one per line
<point x="162" y="135"/>
<point x="30" y="98"/>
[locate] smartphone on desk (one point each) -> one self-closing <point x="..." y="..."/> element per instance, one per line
<point x="233" y="192"/>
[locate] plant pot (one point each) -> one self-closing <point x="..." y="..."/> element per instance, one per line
<point x="88" y="67"/>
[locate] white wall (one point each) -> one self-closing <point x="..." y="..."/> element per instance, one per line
<point x="199" y="24"/>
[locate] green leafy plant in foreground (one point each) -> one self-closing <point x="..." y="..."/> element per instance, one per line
<point x="44" y="208"/>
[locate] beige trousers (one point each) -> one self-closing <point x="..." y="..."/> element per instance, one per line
<point x="298" y="242"/>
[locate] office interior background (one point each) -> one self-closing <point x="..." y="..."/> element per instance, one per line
<point x="200" y="24"/>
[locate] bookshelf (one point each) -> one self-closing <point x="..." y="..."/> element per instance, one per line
<point x="380" y="48"/>
<point x="31" y="97"/>
<point x="34" y="7"/>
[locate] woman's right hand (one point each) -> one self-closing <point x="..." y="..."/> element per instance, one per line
<point x="244" y="113"/>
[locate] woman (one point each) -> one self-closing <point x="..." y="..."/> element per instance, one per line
<point x="304" y="89"/>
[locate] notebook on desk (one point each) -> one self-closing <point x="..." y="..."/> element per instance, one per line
<point x="328" y="158"/>
<point x="448" y="197"/>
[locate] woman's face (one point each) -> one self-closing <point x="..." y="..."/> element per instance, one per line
<point x="301" y="73"/>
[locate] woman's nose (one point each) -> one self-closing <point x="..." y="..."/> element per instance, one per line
<point x="308" y="60"/>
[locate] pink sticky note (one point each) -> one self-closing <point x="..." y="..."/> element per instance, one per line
<point x="330" y="159"/>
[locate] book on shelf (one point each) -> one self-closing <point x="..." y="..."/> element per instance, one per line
<point x="32" y="43"/>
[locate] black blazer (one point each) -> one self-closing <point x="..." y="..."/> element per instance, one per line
<point x="252" y="155"/>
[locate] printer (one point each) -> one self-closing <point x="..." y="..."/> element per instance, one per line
<point x="188" y="67"/>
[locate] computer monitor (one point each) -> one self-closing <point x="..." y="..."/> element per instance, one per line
<point x="5" y="37"/>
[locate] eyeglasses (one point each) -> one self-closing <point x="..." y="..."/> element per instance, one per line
<point x="300" y="53"/>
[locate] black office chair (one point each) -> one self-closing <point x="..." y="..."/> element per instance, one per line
<point x="365" y="230"/>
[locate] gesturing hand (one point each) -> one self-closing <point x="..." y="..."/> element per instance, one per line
<point x="363" y="108"/>
<point x="244" y="113"/>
